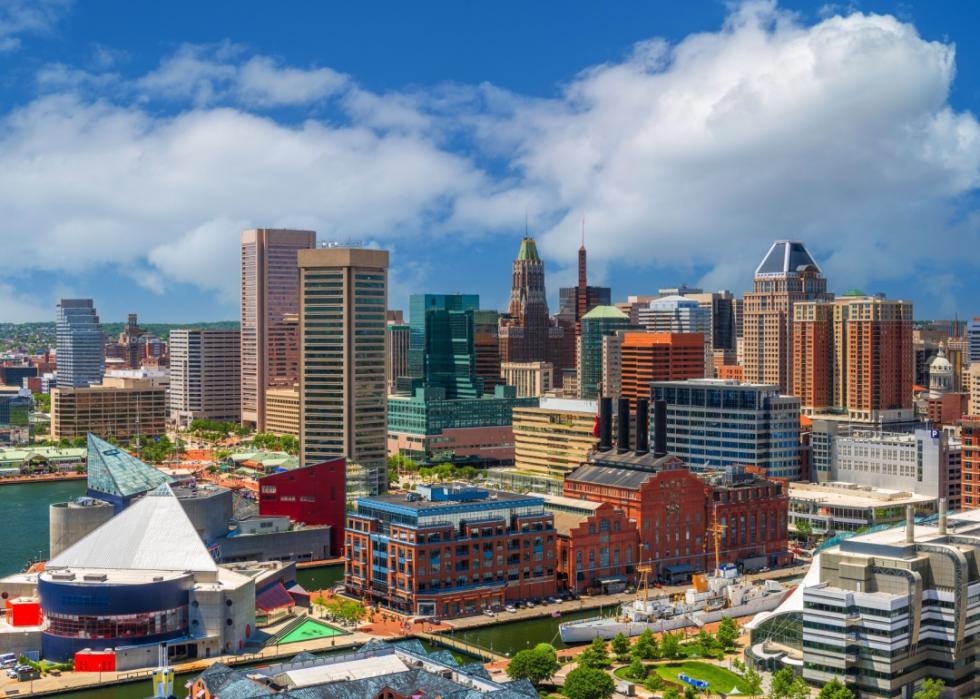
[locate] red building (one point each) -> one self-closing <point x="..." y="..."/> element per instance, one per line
<point x="676" y="511"/>
<point x="450" y="550"/>
<point x="314" y="495"/>
<point x="597" y="543"/>
<point x="970" y="435"/>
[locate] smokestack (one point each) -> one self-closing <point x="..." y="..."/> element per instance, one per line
<point x="942" y="516"/>
<point x="642" y="426"/>
<point x="605" y="424"/>
<point x="623" y="438"/>
<point x="909" y="524"/>
<point x="659" y="428"/>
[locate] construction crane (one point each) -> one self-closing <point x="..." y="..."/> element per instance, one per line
<point x="717" y="530"/>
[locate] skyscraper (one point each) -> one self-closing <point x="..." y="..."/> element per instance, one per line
<point x="658" y="356"/>
<point x="270" y="301"/>
<point x="205" y="375"/>
<point x="973" y="341"/>
<point x="600" y="322"/>
<point x="680" y="314"/>
<point x="441" y="351"/>
<point x="524" y="336"/>
<point x="81" y="352"/>
<point x="574" y="302"/>
<point x="343" y="401"/>
<point x="787" y="275"/>
<point x="486" y="342"/>
<point x="854" y="354"/>
<point x="396" y="354"/>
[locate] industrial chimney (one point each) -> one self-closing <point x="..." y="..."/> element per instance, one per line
<point x="942" y="516"/>
<point x="623" y="439"/>
<point x="642" y="426"/>
<point x="659" y="428"/>
<point x="909" y="524"/>
<point x="605" y="424"/>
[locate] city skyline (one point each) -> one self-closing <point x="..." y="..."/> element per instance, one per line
<point x="194" y="131"/>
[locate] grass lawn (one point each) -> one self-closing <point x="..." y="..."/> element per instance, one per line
<point x="719" y="679"/>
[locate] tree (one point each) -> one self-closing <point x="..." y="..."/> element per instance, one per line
<point x="804" y="530"/>
<point x="799" y="689"/>
<point x="671" y="693"/>
<point x="727" y="633"/>
<point x="782" y="683"/>
<point x="670" y="646"/>
<point x="536" y="664"/>
<point x="705" y="641"/>
<point x="929" y="689"/>
<point x="835" y="689"/>
<point x="621" y="645"/>
<point x="636" y="670"/>
<point x="646" y="646"/>
<point x="690" y="692"/>
<point x="753" y="681"/>
<point x="588" y="683"/>
<point x="595" y="656"/>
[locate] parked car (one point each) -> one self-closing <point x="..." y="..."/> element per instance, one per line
<point x="12" y="673"/>
<point x="26" y="673"/>
<point x="530" y="603"/>
<point x="490" y="612"/>
<point x="510" y="608"/>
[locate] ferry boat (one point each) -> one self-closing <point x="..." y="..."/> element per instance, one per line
<point x="712" y="598"/>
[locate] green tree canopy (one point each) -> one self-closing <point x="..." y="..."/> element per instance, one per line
<point x="620" y="644"/>
<point x="727" y="633"/>
<point x="588" y="683"/>
<point x="670" y="646"/>
<point x="535" y="664"/>
<point x="929" y="689"/>
<point x="646" y="646"/>
<point x="835" y="689"/>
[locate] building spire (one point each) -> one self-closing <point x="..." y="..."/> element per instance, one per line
<point x="583" y="232"/>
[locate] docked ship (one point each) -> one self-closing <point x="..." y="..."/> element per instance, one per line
<point x="711" y="598"/>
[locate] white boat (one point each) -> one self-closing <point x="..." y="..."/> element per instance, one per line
<point x="711" y="599"/>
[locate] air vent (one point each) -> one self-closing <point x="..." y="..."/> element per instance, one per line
<point x="95" y="577"/>
<point x="62" y="576"/>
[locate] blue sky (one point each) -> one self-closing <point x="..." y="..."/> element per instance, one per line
<point x="136" y="139"/>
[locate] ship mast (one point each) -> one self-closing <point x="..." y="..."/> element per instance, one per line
<point x="644" y="585"/>
<point x="717" y="530"/>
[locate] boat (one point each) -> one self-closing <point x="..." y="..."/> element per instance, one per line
<point x="712" y="598"/>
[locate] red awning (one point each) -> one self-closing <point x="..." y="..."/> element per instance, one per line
<point x="274" y="597"/>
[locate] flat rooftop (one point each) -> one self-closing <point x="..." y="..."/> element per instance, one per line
<point x="851" y="495"/>
<point x="414" y="501"/>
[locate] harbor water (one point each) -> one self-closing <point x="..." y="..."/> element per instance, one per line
<point x="24" y="507"/>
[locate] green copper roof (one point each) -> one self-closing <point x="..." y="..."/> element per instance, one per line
<point x="113" y="471"/>
<point x="605" y="312"/>
<point x="854" y="292"/>
<point x="528" y="251"/>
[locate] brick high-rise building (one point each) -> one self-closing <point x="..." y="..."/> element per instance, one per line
<point x="659" y="356"/>
<point x="787" y="275"/>
<point x="574" y="302"/>
<point x="486" y="345"/>
<point x="343" y="398"/>
<point x="970" y="436"/>
<point x="270" y="302"/>
<point x="854" y="354"/>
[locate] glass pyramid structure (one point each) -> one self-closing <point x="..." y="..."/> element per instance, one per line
<point x="113" y="471"/>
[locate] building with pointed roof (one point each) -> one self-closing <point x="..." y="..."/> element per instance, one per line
<point x="600" y="322"/>
<point x="116" y="475"/>
<point x="787" y="274"/>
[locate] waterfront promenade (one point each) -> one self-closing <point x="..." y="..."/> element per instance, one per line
<point x="43" y="478"/>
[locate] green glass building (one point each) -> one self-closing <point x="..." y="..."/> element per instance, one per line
<point x="441" y="347"/>
<point x="598" y="323"/>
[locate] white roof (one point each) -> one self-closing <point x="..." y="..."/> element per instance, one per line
<point x="793" y="603"/>
<point x="153" y="533"/>
<point x="361" y="668"/>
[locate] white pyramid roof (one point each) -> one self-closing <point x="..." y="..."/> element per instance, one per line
<point x="154" y="533"/>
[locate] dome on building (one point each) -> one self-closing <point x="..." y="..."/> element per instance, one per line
<point x="940" y="374"/>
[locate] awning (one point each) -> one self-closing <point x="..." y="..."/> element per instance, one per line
<point x="274" y="597"/>
<point x="611" y="581"/>
<point x="679" y="568"/>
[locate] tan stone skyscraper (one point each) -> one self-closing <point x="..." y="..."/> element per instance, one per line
<point x="270" y="302"/>
<point x="343" y="393"/>
<point x="786" y="275"/>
